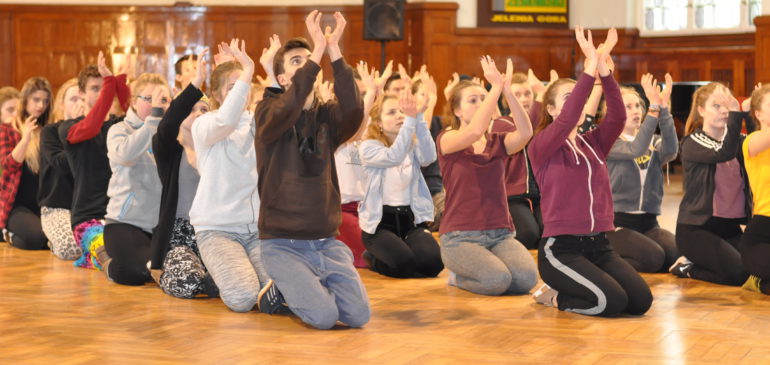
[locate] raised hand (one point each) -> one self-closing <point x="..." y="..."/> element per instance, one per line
<point x="665" y="95"/>
<point x="200" y="70"/>
<point x="491" y="73"/>
<point x="237" y="49"/>
<point x="534" y="83"/>
<point x="381" y="79"/>
<point x="326" y="91"/>
<point x="79" y="110"/>
<point x="333" y="37"/>
<point x="222" y="56"/>
<point x="367" y="77"/>
<point x="408" y="103"/>
<point x="267" y="57"/>
<point x="29" y="125"/>
<point x="313" y="24"/>
<point x="404" y="75"/>
<point x="651" y="89"/>
<point x="605" y="64"/>
<point x="588" y="49"/>
<point x="101" y="64"/>
<point x="723" y="96"/>
<point x="451" y="85"/>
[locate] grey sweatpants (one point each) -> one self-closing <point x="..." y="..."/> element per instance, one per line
<point x="234" y="262"/>
<point x="490" y="262"/>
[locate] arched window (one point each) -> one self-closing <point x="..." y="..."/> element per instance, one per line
<point x="671" y="17"/>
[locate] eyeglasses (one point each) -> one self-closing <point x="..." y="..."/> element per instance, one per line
<point x="148" y="99"/>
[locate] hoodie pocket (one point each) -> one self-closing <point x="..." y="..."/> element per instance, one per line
<point x="299" y="206"/>
<point x="126" y="206"/>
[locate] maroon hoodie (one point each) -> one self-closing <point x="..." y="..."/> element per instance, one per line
<point x="576" y="197"/>
<point x="516" y="165"/>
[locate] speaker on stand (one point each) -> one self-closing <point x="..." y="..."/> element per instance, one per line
<point x="383" y="21"/>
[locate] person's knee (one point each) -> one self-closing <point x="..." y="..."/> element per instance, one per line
<point x="323" y="317"/>
<point x="128" y="274"/>
<point x="639" y="302"/>
<point x="183" y="284"/>
<point x="736" y="276"/>
<point x="651" y="260"/>
<point x="523" y="281"/>
<point x="240" y="301"/>
<point x="616" y="301"/>
<point x="495" y="282"/>
<point x="357" y="315"/>
<point x="29" y="241"/>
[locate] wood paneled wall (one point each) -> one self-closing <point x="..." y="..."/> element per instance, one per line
<point x="57" y="41"/>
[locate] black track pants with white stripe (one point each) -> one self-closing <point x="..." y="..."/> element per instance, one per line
<point x="590" y="277"/>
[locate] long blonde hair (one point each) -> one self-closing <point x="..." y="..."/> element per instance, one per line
<point x="219" y="80"/>
<point x="374" y="129"/>
<point x="695" y="120"/>
<point x="58" y="103"/>
<point x="756" y="103"/>
<point x="32" y="85"/>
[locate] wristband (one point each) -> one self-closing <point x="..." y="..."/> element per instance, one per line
<point x="654" y="108"/>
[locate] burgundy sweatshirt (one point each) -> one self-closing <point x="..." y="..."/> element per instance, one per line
<point x="576" y="197"/>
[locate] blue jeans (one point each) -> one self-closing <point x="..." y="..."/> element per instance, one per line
<point x="317" y="280"/>
<point x="490" y="262"/>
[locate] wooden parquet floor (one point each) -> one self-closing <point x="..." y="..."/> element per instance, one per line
<point x="54" y="313"/>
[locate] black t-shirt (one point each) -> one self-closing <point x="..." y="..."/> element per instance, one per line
<point x="56" y="181"/>
<point x="91" y="172"/>
<point x="26" y="196"/>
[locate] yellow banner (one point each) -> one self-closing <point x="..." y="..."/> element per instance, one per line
<point x="536" y="6"/>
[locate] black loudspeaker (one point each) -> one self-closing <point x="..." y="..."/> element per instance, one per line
<point x="384" y="20"/>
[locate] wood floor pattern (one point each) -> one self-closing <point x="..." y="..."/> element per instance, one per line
<point x="54" y="313"/>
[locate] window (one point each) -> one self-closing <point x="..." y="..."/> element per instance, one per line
<point x="668" y="17"/>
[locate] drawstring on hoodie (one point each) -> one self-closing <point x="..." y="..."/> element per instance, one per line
<point x="592" y="150"/>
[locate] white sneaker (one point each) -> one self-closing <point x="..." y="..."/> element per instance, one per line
<point x="452" y="278"/>
<point x="546" y="296"/>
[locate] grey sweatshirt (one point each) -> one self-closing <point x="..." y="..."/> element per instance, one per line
<point x="227" y="198"/>
<point x="627" y="159"/>
<point x="134" y="188"/>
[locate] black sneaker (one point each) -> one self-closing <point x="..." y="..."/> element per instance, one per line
<point x="208" y="287"/>
<point x="270" y="300"/>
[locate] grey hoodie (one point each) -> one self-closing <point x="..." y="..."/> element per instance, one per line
<point x="134" y="188"/>
<point x="628" y="194"/>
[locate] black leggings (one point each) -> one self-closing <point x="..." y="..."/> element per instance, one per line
<point x="527" y="219"/>
<point x="755" y="249"/>
<point x="400" y="249"/>
<point x="713" y="247"/>
<point x="129" y="248"/>
<point x="26" y="229"/>
<point x="590" y="277"/>
<point x="640" y="241"/>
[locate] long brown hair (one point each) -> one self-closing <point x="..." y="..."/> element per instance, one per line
<point x="756" y="103"/>
<point x="58" y="102"/>
<point x="455" y="99"/>
<point x="549" y="98"/>
<point x="695" y="120"/>
<point x="219" y="80"/>
<point x="32" y="85"/>
<point x="374" y="129"/>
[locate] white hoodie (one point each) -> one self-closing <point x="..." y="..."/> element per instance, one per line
<point x="227" y="198"/>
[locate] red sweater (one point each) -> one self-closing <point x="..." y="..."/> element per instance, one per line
<point x="91" y="125"/>
<point x="9" y="185"/>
